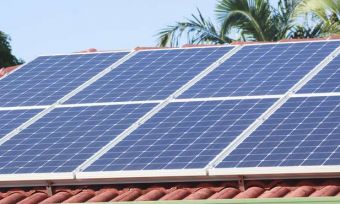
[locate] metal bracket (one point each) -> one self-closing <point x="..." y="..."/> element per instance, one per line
<point x="49" y="188"/>
<point x="241" y="184"/>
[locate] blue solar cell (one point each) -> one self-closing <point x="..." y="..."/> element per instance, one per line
<point x="150" y="75"/>
<point x="182" y="136"/>
<point x="262" y="70"/>
<point x="66" y="137"/>
<point x="327" y="80"/>
<point x="11" y="119"/>
<point x="47" y="79"/>
<point x="303" y="132"/>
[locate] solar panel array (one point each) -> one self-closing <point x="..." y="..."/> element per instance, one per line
<point x="12" y="119"/>
<point x="326" y="81"/>
<point x="126" y="118"/>
<point x="150" y="75"/>
<point x="47" y="79"/>
<point x="262" y="70"/>
<point x="305" y="131"/>
<point x="182" y="136"/>
<point x="66" y="137"/>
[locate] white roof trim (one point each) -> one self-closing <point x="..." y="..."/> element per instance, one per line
<point x="261" y="171"/>
<point x="141" y="174"/>
<point x="184" y="48"/>
<point x="86" y="53"/>
<point x="36" y="177"/>
<point x="287" y="42"/>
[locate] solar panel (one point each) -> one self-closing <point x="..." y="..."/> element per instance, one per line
<point x="150" y="75"/>
<point x="66" y="137"/>
<point x="303" y="132"/>
<point x="182" y="136"/>
<point x="327" y="80"/>
<point x="265" y="69"/>
<point x="11" y="119"/>
<point x="48" y="78"/>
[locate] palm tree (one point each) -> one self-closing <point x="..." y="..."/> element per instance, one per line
<point x="249" y="20"/>
<point x="326" y="13"/>
<point x="257" y="19"/>
<point x="198" y="29"/>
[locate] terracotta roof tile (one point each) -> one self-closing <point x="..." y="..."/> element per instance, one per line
<point x="173" y="191"/>
<point x="6" y="70"/>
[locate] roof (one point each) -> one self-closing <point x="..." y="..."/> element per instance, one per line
<point x="169" y="191"/>
<point x="174" y="191"/>
<point x="6" y="70"/>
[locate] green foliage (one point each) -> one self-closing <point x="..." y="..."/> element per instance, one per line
<point x="325" y="12"/>
<point x="6" y="57"/>
<point x="252" y="18"/>
<point x="198" y="30"/>
<point x="257" y="20"/>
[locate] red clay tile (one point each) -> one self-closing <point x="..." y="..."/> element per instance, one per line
<point x="34" y="198"/>
<point x="89" y="50"/>
<point x="332" y="37"/>
<point x="200" y="194"/>
<point x="178" y="194"/>
<point x="204" y="45"/>
<point x="105" y="195"/>
<point x="81" y="197"/>
<point x="276" y="192"/>
<point x="302" y="191"/>
<point x="6" y="70"/>
<point x="174" y="191"/>
<point x="252" y="192"/>
<point x="14" y="197"/>
<point x="128" y="195"/>
<point x="326" y="191"/>
<point x="58" y="197"/>
<point x="152" y="195"/>
<point x="249" y="43"/>
<point x="226" y="193"/>
<point x="302" y="39"/>
<point x="149" y="48"/>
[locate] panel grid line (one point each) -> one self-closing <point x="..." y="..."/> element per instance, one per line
<point x="246" y="133"/>
<point x="262" y="70"/>
<point x="156" y="109"/>
<point x="45" y="80"/>
<point x="173" y="98"/>
<point x="63" y="99"/>
<point x="150" y="75"/>
<point x="304" y="132"/>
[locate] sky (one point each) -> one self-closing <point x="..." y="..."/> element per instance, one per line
<point x="40" y="27"/>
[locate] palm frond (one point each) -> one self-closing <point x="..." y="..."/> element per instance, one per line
<point x="251" y="17"/>
<point x="328" y="11"/>
<point x="198" y="30"/>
